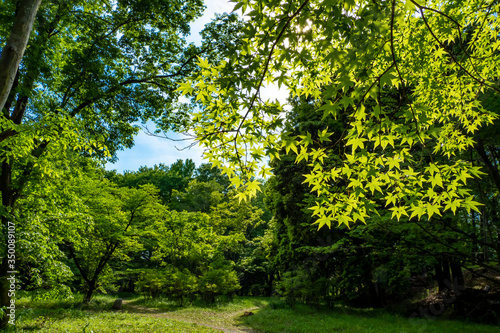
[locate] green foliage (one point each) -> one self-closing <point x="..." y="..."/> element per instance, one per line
<point x="165" y="178"/>
<point x="176" y="284"/>
<point x="173" y="182"/>
<point x="350" y="55"/>
<point x="56" y="292"/>
<point x="207" y="172"/>
<point x="198" y="197"/>
<point x="219" y="279"/>
<point x="107" y="227"/>
<point x="92" y="71"/>
<point x="300" y="285"/>
<point x="181" y="285"/>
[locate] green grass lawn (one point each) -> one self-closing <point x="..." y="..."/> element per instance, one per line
<point x="65" y="316"/>
<point x="144" y="315"/>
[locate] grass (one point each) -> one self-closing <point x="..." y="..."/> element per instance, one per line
<point x="270" y="315"/>
<point x="71" y="321"/>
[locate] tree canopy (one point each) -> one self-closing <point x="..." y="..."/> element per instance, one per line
<point x="438" y="61"/>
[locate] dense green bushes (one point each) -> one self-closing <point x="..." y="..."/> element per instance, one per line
<point x="181" y="285"/>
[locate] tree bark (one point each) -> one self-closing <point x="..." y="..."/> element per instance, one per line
<point x="492" y="170"/>
<point x="439" y="276"/>
<point x="458" y="277"/>
<point x="90" y="291"/>
<point x="13" y="51"/>
<point x="446" y="271"/>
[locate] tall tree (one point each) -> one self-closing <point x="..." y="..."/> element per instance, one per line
<point x="166" y="178"/>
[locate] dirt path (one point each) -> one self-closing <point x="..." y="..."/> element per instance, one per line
<point x="224" y="321"/>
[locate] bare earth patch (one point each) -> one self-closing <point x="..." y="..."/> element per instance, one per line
<point x="226" y="322"/>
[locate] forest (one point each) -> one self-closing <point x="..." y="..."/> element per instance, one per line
<point x="368" y="201"/>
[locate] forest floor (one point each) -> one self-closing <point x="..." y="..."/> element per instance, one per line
<point x="268" y="315"/>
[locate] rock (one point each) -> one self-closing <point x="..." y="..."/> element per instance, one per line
<point x="118" y="304"/>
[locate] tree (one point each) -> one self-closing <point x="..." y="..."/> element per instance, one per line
<point x="198" y="197"/>
<point x="48" y="210"/>
<point x="349" y="55"/>
<point x="193" y="244"/>
<point x="374" y="264"/>
<point x="91" y="70"/>
<point x="108" y="227"/>
<point x="207" y="172"/>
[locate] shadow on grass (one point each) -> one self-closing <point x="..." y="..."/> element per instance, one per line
<point x="277" y="317"/>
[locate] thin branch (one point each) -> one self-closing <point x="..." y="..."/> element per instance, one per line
<point x="401" y="77"/>
<point x="264" y="72"/>
<point x="482" y="82"/>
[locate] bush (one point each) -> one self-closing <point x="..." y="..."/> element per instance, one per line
<point x="301" y="286"/>
<point x="219" y="279"/>
<point x="176" y="284"/>
<point x="182" y="285"/>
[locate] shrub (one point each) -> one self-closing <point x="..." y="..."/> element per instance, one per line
<point x="171" y="282"/>
<point x="219" y="279"/>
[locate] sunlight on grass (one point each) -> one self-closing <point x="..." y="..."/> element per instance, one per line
<point x="105" y="322"/>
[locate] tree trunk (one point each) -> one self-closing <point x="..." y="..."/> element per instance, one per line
<point x="269" y="286"/>
<point x="13" y="51"/>
<point x="90" y="291"/>
<point x="446" y="272"/>
<point x="458" y="277"/>
<point x="492" y="170"/>
<point x="439" y="276"/>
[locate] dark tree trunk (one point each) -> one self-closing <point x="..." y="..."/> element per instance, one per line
<point x="439" y="276"/>
<point x="492" y="170"/>
<point x="269" y="287"/>
<point x="90" y="291"/>
<point x="446" y="272"/>
<point x="458" y="277"/>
